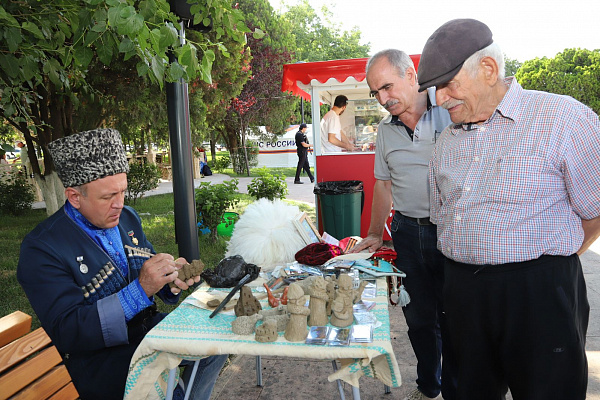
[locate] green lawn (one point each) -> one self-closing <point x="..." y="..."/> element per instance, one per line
<point x="159" y="224"/>
<point x="286" y="171"/>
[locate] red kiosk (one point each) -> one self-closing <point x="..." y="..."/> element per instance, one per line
<point x="325" y="80"/>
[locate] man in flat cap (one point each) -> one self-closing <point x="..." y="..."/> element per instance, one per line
<point x="302" y="147"/>
<point x="514" y="188"/>
<point x="87" y="277"/>
<point x="405" y="140"/>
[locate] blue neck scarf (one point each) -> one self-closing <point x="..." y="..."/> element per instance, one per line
<point x="108" y="239"/>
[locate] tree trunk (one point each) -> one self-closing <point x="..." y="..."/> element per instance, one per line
<point x="52" y="190"/>
<point x="243" y="132"/>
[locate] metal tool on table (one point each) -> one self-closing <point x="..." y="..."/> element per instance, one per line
<point x="230" y="295"/>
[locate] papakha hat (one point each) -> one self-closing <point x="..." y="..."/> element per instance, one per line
<point x="87" y="156"/>
<point x="448" y="48"/>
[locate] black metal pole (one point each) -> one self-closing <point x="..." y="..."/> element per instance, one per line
<point x="186" y="228"/>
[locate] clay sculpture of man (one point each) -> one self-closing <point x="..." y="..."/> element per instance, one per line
<point x="318" y="299"/>
<point x="296" y="330"/>
<point x="341" y="308"/>
<point x="330" y="285"/>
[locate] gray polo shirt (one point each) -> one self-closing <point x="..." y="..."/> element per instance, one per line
<point x="405" y="161"/>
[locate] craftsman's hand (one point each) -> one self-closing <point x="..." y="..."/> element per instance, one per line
<point x="157" y="272"/>
<point x="371" y="243"/>
<point x="183" y="285"/>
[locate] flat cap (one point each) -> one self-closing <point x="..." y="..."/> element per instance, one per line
<point x="448" y="48"/>
<point x="87" y="156"/>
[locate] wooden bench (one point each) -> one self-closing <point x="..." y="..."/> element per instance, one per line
<point x="30" y="366"/>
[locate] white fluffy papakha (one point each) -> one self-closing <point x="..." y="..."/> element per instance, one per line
<point x="265" y="234"/>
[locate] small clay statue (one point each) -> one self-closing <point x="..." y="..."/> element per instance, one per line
<point x="296" y="330"/>
<point x="331" y="284"/>
<point x="245" y="325"/>
<point x="279" y="315"/>
<point x="317" y="305"/>
<point x="305" y="284"/>
<point x="267" y="332"/>
<point x="247" y="304"/>
<point x="342" y="315"/>
<point x="358" y="292"/>
<point x="188" y="272"/>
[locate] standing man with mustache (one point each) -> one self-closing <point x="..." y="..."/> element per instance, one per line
<point x="405" y="141"/>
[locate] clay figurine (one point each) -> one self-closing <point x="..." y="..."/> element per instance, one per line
<point x="342" y="315"/>
<point x="267" y="332"/>
<point x="284" y="297"/>
<point x="273" y="301"/>
<point x="305" y="284"/>
<point x="331" y="284"/>
<point x="188" y="272"/>
<point x="317" y="305"/>
<point x="245" y="325"/>
<point x="296" y="330"/>
<point x="358" y="292"/>
<point x="247" y="304"/>
<point x="279" y="315"/>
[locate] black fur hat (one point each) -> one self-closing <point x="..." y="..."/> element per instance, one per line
<point x="87" y="156"/>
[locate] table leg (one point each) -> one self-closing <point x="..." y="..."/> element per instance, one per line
<point x="387" y="389"/>
<point x="339" y="382"/>
<point x="171" y="383"/>
<point x="355" y="393"/>
<point x="190" y="383"/>
<point x="258" y="371"/>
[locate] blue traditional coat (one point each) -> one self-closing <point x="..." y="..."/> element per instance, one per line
<point x="71" y="283"/>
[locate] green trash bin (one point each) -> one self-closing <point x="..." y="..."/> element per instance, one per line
<point x="340" y="207"/>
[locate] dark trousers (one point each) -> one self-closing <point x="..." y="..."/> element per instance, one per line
<point x="101" y="374"/>
<point x="303" y="164"/>
<point x="423" y="263"/>
<point x="519" y="326"/>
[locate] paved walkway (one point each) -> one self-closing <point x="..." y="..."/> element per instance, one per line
<point x="299" y="379"/>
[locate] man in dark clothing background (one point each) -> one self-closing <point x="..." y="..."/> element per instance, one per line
<point x="302" y="150"/>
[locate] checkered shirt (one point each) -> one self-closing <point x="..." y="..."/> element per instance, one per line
<point x="517" y="186"/>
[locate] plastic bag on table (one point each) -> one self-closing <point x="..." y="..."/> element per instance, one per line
<point x="229" y="272"/>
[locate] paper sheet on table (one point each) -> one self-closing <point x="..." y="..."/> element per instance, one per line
<point x="200" y="298"/>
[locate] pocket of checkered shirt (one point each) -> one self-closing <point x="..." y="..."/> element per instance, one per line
<point x="521" y="179"/>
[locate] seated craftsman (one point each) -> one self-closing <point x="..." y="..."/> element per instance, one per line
<point x="88" y="273"/>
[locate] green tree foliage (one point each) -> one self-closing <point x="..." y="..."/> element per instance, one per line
<point x="261" y="101"/>
<point x="268" y="186"/>
<point x="132" y="104"/>
<point x="16" y="194"/>
<point x="50" y="47"/>
<point x="221" y="163"/>
<point x="574" y="72"/>
<point x="511" y="66"/>
<point x="212" y="200"/>
<point x="318" y="40"/>
<point x="208" y="101"/>
<point x="141" y="178"/>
